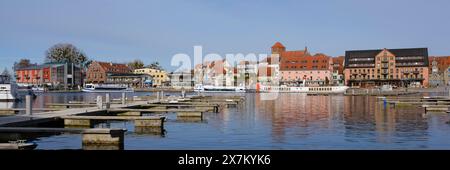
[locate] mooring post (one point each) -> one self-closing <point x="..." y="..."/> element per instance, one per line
<point x="107" y="101"/>
<point x="157" y="96"/>
<point x="28" y="105"/>
<point x="99" y="102"/>
<point x="162" y="95"/>
<point x="123" y="98"/>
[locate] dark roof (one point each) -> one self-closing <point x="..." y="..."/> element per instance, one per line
<point x="32" y="67"/>
<point x="128" y="75"/>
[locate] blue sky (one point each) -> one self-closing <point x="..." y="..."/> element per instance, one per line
<point x="119" y="31"/>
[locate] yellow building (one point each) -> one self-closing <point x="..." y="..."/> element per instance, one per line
<point x="159" y="76"/>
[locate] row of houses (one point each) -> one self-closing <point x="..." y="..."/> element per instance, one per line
<point x="71" y="76"/>
<point x="408" y="67"/>
<point x="290" y="68"/>
<point x="361" y="68"/>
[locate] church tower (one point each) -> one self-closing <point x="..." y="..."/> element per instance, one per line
<point x="278" y="48"/>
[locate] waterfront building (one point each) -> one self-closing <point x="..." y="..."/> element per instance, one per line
<point x="181" y="80"/>
<point x="300" y="66"/>
<point x="159" y="76"/>
<point x="131" y="80"/>
<point x="442" y="62"/>
<point x="338" y="71"/>
<point x="248" y="72"/>
<point x="398" y="67"/>
<point x="436" y="76"/>
<point x="269" y="70"/>
<point x="98" y="72"/>
<point x="446" y="76"/>
<point x="51" y="75"/>
<point x="216" y="73"/>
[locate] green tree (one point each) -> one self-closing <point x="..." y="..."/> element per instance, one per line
<point x="136" y="64"/>
<point x="63" y="52"/>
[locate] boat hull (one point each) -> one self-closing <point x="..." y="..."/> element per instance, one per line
<point x="307" y="90"/>
<point x="219" y="89"/>
<point x="105" y="91"/>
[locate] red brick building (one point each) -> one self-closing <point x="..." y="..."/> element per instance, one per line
<point x="57" y="75"/>
<point x="443" y="62"/>
<point x="338" y="64"/>
<point x="98" y="72"/>
<point x="338" y="70"/>
<point x="296" y="66"/>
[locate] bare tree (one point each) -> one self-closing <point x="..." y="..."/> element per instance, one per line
<point x="23" y="63"/>
<point x="63" y="52"/>
<point x="6" y="72"/>
<point x="155" y="65"/>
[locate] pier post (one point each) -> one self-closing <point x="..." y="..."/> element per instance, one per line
<point x="157" y="96"/>
<point x="123" y="98"/>
<point x="107" y="101"/>
<point x="99" y="102"/>
<point x="162" y="95"/>
<point x="28" y="105"/>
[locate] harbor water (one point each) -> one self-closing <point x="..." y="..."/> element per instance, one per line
<point x="292" y="121"/>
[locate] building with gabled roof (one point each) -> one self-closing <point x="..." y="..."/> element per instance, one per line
<point x="98" y="72"/>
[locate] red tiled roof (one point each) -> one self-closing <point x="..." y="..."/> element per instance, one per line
<point x="278" y="45"/>
<point x="293" y="60"/>
<point x="443" y="62"/>
<point x="113" y="66"/>
<point x="290" y="54"/>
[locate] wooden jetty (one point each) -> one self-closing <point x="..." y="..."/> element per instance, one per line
<point x="199" y="106"/>
<point x="13" y="111"/>
<point x="139" y="112"/>
<point x="139" y="121"/>
<point x="69" y="105"/>
<point x="113" y="137"/>
<point x="376" y="92"/>
<point x="86" y="114"/>
<point x="430" y="104"/>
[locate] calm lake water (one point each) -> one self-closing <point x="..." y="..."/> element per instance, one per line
<point x="292" y="121"/>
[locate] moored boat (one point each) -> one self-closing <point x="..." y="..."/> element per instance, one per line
<point x="308" y="90"/>
<point x="209" y="88"/>
<point x="106" y="88"/>
<point x="6" y="92"/>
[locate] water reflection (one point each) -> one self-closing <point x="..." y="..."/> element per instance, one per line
<point x="293" y="121"/>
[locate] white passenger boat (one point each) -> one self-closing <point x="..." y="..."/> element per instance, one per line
<point x="209" y="88"/>
<point x="6" y="90"/>
<point x="308" y="90"/>
<point x="106" y="88"/>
